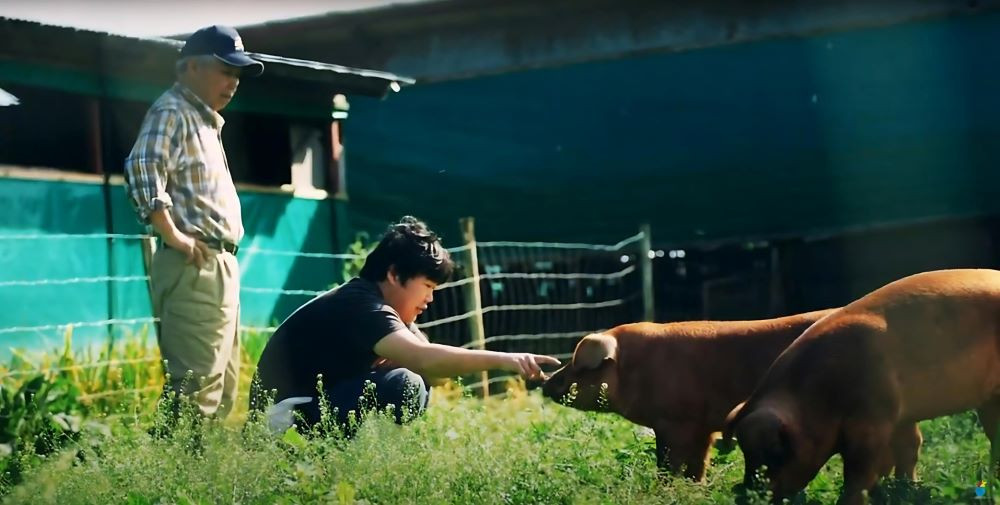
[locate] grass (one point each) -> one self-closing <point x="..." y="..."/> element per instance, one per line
<point x="518" y="448"/>
<point x="124" y="379"/>
<point x="515" y="448"/>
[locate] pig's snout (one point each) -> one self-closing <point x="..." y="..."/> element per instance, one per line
<point x="536" y="382"/>
<point x="555" y="386"/>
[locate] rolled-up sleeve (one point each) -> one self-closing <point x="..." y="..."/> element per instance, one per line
<point x="148" y="166"/>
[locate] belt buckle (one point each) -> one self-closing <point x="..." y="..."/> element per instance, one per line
<point x="228" y="247"/>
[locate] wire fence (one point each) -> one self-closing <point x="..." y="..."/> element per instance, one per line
<point x="539" y="297"/>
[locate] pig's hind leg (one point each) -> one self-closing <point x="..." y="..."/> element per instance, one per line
<point x="906" y="442"/>
<point x="989" y="419"/>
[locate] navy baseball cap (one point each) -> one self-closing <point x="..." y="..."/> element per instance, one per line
<point x="225" y="44"/>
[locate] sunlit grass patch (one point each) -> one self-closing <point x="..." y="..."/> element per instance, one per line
<point x="511" y="448"/>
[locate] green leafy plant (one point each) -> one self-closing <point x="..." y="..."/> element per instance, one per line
<point x="360" y="247"/>
<point x="517" y="449"/>
<point x="36" y="419"/>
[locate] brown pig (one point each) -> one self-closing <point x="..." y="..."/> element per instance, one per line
<point x="680" y="379"/>
<point x="854" y="383"/>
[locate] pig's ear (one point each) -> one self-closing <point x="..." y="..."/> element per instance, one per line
<point x="593" y="350"/>
<point x="734" y="417"/>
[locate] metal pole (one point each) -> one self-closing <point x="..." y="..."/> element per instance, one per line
<point x="646" y="266"/>
<point x="473" y="297"/>
<point x="100" y="142"/>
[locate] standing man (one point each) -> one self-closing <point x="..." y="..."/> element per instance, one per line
<point x="365" y="330"/>
<point x="180" y="183"/>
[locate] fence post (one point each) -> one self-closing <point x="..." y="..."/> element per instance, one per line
<point x="148" y="246"/>
<point x="473" y="297"/>
<point x="646" y="266"/>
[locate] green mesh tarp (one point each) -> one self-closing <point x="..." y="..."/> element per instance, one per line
<point x="780" y="137"/>
<point x="47" y="279"/>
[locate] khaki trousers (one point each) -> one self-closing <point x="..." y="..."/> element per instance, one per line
<point x="198" y="332"/>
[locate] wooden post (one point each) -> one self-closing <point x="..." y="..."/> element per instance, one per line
<point x="148" y="246"/>
<point x="473" y="297"/>
<point x="337" y="176"/>
<point x="646" y="266"/>
<point x="338" y="168"/>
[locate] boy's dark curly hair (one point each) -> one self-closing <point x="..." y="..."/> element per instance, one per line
<point x="413" y="249"/>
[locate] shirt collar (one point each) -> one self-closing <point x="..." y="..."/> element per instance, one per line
<point x="210" y="115"/>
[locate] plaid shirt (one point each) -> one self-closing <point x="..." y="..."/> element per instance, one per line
<point x="178" y="163"/>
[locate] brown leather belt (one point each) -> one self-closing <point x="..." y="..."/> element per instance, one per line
<point x="218" y="245"/>
<point x="222" y="245"/>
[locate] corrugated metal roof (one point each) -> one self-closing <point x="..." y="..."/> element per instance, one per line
<point x="151" y="60"/>
<point x="310" y="65"/>
<point x="7" y="99"/>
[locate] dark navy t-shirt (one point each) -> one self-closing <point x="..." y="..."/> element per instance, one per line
<point x="333" y="334"/>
